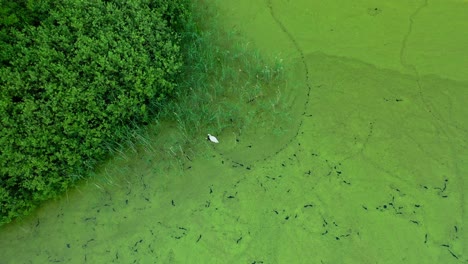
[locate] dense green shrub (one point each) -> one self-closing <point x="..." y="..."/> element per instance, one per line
<point x="15" y="15"/>
<point x="71" y="82"/>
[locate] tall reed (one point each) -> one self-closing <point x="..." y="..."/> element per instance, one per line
<point x="225" y="85"/>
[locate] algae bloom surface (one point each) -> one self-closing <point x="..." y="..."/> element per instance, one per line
<point x="358" y="156"/>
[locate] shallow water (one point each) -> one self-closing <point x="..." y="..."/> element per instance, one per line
<point x="364" y="163"/>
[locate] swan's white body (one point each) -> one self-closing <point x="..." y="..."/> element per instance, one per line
<point x="212" y="139"/>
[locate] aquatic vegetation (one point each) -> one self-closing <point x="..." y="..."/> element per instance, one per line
<point x="226" y="85"/>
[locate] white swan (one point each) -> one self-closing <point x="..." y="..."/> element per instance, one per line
<point x="212" y="138"/>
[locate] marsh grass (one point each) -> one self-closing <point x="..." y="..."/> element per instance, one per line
<point x="223" y="77"/>
<point x="225" y="87"/>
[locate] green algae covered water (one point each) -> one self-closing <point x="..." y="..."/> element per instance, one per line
<point x="364" y="162"/>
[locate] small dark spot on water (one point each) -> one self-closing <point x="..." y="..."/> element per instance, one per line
<point x="453" y="254"/>
<point x="374" y="11"/>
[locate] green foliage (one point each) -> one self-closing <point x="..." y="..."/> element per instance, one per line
<point x="71" y="84"/>
<point x="17" y="15"/>
<point x="20" y="13"/>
